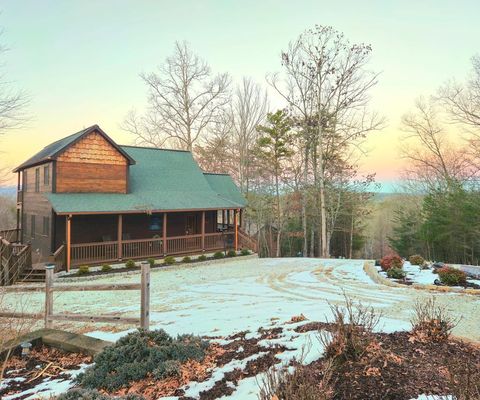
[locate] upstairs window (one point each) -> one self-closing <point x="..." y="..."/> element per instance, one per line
<point x="32" y="226"/>
<point x="46" y="175"/>
<point x="37" y="179"/>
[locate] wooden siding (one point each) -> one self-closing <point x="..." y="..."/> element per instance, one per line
<point x="76" y="177"/>
<point x="36" y="203"/>
<point x="94" y="149"/>
<point x="92" y="165"/>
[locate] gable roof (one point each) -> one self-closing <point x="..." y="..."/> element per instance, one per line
<point x="53" y="150"/>
<point x="161" y="180"/>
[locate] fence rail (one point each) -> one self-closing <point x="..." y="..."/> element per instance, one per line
<point x="49" y="316"/>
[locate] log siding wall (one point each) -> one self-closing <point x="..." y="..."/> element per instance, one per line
<point x="35" y="203"/>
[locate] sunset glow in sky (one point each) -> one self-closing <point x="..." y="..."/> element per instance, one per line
<point x="79" y="60"/>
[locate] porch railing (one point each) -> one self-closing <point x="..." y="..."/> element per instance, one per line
<point x="86" y="253"/>
<point x="10" y="235"/>
<point x="142" y="248"/>
<point x="103" y="252"/>
<point x="14" y="260"/>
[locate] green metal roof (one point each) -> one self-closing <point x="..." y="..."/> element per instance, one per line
<point x="54" y="149"/>
<point x="160" y="180"/>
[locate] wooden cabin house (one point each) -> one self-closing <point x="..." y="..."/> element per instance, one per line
<point x="85" y="200"/>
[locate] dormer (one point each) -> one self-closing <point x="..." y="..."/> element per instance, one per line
<point x="88" y="161"/>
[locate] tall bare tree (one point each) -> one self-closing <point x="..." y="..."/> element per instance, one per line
<point x="328" y="84"/>
<point x="184" y="99"/>
<point x="248" y="110"/>
<point x="13" y="103"/>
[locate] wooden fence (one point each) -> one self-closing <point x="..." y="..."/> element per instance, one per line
<point x="49" y="315"/>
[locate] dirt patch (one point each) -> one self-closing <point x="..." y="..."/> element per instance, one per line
<point x="42" y="364"/>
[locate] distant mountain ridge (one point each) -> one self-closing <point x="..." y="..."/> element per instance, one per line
<point x="8" y="191"/>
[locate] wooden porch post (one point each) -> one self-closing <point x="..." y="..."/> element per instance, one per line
<point x="235" y="220"/>
<point x="165" y="234"/>
<point x="119" y="236"/>
<point x="203" y="230"/>
<point x="228" y="218"/>
<point x="69" y="243"/>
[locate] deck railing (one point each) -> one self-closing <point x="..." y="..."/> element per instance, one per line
<point x="100" y="252"/>
<point x="142" y="248"/>
<point x="14" y="260"/>
<point x="10" y="235"/>
<point x="94" y="252"/>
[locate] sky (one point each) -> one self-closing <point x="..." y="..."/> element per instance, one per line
<point x="80" y="61"/>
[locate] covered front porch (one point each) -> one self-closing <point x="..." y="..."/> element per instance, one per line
<point x="90" y="239"/>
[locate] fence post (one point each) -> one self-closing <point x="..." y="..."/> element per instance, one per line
<point x="49" y="270"/>
<point x="145" y="296"/>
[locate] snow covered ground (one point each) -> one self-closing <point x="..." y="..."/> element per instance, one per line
<point x="244" y="294"/>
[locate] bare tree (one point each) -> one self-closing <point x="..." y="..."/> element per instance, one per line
<point x="327" y="84"/>
<point x="434" y="160"/>
<point x="13" y="103"/>
<point x="462" y="100"/>
<point x="248" y="110"/>
<point x="184" y="99"/>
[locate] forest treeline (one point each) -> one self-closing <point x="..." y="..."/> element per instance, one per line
<point x="298" y="166"/>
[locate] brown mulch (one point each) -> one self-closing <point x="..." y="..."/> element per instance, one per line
<point x="43" y="363"/>
<point x="398" y="367"/>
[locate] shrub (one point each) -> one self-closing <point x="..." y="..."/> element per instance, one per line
<point x="186" y="259"/>
<point x="106" y="268"/>
<point x="83" y="270"/>
<point x="130" y="264"/>
<point x="170" y="368"/>
<point x="452" y="277"/>
<point x="92" y="394"/>
<point x="391" y="261"/>
<point x="169" y="260"/>
<point x="416" y="260"/>
<point x="151" y="261"/>
<point x="351" y="332"/>
<point x="396" y="273"/>
<point x="139" y="354"/>
<point x="431" y="322"/>
<point x="203" y="257"/>
<point x="231" y="253"/>
<point x="218" y="255"/>
<point x="245" y="252"/>
<point x="300" y="384"/>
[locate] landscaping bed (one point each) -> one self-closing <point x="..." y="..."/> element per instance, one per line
<point x="44" y="366"/>
<point x="406" y="273"/>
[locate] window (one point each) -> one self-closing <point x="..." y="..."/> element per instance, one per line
<point x="32" y="226"/>
<point x="46" y="175"/>
<point x="25" y="180"/>
<point x="37" y="179"/>
<point x="46" y="226"/>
